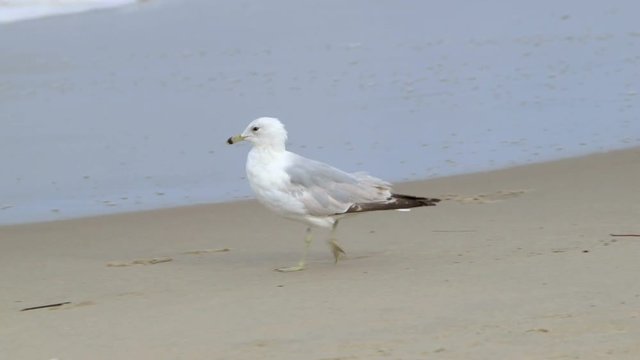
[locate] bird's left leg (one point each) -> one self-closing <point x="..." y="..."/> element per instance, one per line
<point x="336" y="250"/>
<point x="301" y="264"/>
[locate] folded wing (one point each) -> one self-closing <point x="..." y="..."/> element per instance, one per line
<point x="325" y="190"/>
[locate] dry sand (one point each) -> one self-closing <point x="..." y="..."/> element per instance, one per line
<point x="518" y="264"/>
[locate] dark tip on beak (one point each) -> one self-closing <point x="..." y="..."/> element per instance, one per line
<point x="229" y="141"/>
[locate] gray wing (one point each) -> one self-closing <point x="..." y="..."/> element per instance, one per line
<point x="325" y="190"/>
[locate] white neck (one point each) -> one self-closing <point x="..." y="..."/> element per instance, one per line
<point x="275" y="146"/>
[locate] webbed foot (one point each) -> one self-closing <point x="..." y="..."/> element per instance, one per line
<point x="298" y="267"/>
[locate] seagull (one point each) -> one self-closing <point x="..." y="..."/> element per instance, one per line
<point x="309" y="191"/>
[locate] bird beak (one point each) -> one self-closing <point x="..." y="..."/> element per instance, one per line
<point x="235" y="139"/>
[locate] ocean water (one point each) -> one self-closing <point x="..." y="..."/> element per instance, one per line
<point x="19" y="10"/>
<point x="115" y="111"/>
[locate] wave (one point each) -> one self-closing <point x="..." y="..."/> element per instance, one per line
<point x="18" y="10"/>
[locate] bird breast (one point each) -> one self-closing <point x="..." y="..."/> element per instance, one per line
<point x="269" y="181"/>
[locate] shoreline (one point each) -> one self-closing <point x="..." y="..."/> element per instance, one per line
<point x="395" y="184"/>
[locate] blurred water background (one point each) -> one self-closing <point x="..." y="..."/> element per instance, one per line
<point x="128" y="109"/>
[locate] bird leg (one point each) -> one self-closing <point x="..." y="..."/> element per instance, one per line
<point x="336" y="250"/>
<point x="301" y="264"/>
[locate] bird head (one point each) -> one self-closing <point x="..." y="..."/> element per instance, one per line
<point x="263" y="132"/>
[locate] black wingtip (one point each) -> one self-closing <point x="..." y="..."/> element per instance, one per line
<point x="414" y="201"/>
<point x="229" y="141"/>
<point x="395" y="202"/>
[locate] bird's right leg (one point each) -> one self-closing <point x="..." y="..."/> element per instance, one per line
<point x="336" y="250"/>
<point x="301" y="264"/>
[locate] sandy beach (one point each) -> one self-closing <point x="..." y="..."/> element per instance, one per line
<point x="516" y="264"/>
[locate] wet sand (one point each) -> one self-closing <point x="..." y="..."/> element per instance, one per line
<point x="517" y="263"/>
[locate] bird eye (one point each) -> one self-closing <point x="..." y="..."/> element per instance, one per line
<point x="255" y="128"/>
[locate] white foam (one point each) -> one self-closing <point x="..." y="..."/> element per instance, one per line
<point x="17" y="10"/>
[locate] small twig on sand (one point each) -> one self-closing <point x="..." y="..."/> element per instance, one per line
<point x="206" y="251"/>
<point x="46" y="306"/>
<point x="635" y="235"/>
